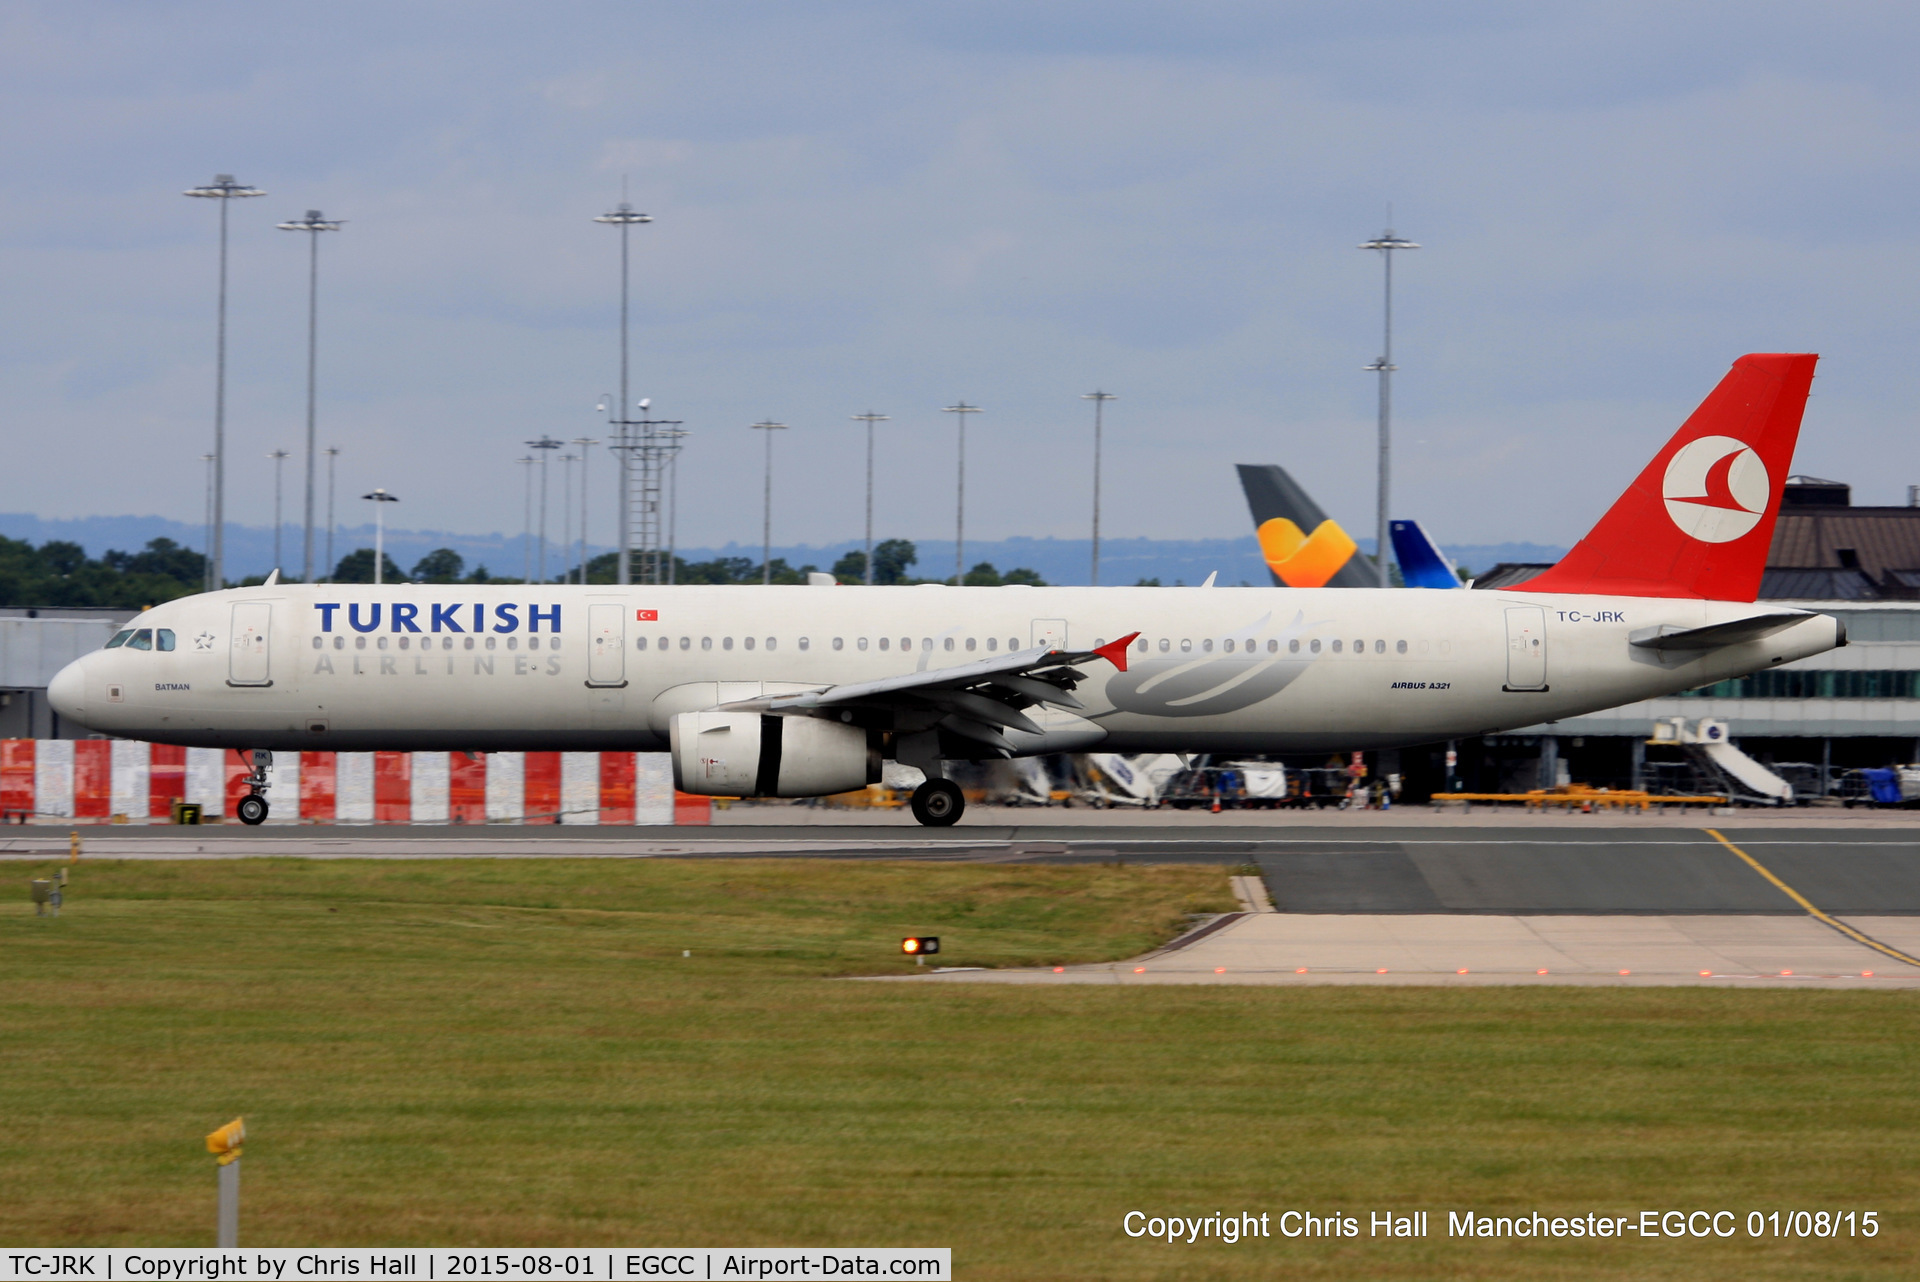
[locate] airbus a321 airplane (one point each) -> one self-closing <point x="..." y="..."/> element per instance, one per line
<point x="804" y="691"/>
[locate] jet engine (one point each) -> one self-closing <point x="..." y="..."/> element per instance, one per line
<point x="748" y="754"/>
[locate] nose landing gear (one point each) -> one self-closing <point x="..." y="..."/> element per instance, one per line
<point x="253" y="808"/>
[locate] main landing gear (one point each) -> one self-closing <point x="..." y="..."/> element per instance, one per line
<point x="252" y="809"/>
<point x="939" y="803"/>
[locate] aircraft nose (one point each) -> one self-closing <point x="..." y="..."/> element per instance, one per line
<point x="67" y="693"/>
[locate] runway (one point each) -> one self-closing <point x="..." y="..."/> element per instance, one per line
<point x="1620" y="902"/>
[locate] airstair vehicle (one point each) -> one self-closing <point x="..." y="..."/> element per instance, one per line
<point x="1713" y="751"/>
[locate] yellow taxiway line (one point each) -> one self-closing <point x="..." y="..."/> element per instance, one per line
<point x="1807" y="904"/>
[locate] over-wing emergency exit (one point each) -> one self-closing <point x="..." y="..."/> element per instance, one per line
<point x="804" y="691"/>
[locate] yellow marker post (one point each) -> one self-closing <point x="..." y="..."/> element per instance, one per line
<point x="73" y="847"/>
<point x="225" y="1144"/>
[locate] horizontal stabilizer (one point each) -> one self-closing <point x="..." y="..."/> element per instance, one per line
<point x="1716" y="635"/>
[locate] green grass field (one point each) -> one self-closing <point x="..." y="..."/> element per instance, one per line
<point x="516" y="1052"/>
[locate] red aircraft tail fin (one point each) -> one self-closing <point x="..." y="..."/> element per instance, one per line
<point x="1699" y="520"/>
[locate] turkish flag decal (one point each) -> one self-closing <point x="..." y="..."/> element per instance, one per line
<point x="647" y="616"/>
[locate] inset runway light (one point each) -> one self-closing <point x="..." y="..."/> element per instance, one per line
<point x="1139" y="970"/>
<point x="1866" y="974"/>
<point x="1219" y="970"/>
<point x="1461" y="971"/>
<point x="1541" y="971"/>
<point x="1059" y="970"/>
<point x="1706" y="974"/>
<point x="1381" y="971"/>
<point x="1786" y="972"/>
<point x="1626" y="972"/>
<point x="919" y="945"/>
<point x="1299" y="970"/>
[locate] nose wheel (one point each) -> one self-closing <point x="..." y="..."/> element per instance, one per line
<point x="252" y="809"/>
<point x="939" y="803"/>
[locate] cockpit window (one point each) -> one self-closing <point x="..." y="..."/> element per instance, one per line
<point x="119" y="638"/>
<point x="163" y="638"/>
<point x="142" y="640"/>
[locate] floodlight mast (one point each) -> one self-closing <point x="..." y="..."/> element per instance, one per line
<point x="869" y="418"/>
<point x="766" y="512"/>
<point x="585" y="443"/>
<point x="1386" y="243"/>
<point x="546" y="444"/>
<point x="380" y="500"/>
<point x="960" y="409"/>
<point x="332" y="453"/>
<point x="625" y="217"/>
<point x="279" y="457"/>
<point x="314" y="224"/>
<point x="1099" y="400"/>
<point x="225" y="190"/>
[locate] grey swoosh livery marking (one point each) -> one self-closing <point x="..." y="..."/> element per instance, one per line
<point x="1212" y="685"/>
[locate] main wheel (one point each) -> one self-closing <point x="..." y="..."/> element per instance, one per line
<point x="938" y="803"/>
<point x="252" y="809"/>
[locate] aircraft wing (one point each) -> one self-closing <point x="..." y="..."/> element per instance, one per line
<point x="976" y="700"/>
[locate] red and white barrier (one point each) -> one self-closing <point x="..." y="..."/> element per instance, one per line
<point x="98" y="779"/>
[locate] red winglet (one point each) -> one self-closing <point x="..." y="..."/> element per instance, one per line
<point x="1115" y="652"/>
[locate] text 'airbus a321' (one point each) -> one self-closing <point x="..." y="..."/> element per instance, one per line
<point x="805" y="691"/>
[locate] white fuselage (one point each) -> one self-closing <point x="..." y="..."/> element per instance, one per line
<point x="545" y="667"/>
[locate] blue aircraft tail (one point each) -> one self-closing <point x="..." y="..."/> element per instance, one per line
<point x="1422" y="565"/>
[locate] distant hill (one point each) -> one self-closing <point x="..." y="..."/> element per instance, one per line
<point x="1064" y="561"/>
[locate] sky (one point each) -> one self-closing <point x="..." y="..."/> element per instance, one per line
<point x="894" y="207"/>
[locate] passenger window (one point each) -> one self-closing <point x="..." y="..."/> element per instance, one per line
<point x="726" y="643"/>
<point x="468" y="645"/>
<point x="949" y="643"/>
<point x="1359" y="647"/>
<point x="446" y="643"/>
<point x="1185" y="645"/>
<point x="861" y="643"/>
<point x="1141" y="646"/>
<point x="1336" y="647"/>
<point x="1400" y="647"/>
<point x="119" y="639"/>
<point x="1207" y="645"/>
<point x="163" y="639"/>
<point x="403" y="641"/>
<point x="686" y="643"/>
<point x="838" y="643"/>
<point x="533" y="643"/>
<point x="640" y="643"/>
<point x="1273" y="646"/>
<point x="382" y="643"/>
<point x="340" y="643"/>
<point x="969" y="643"/>
<point x="993" y="643"/>
<point x="1228" y="646"/>
<point x="1315" y="645"/>
<point x="1293" y="646"/>
<point x="1165" y="645"/>
<point x="318" y="642"/>
<point x="513" y="643"/>
<point x="493" y="642"/>
<point x="662" y="643"/>
<point x="1380" y="647"/>
<point x="773" y="643"/>
<point x="706" y="643"/>
<point x="747" y="642"/>
<point x="142" y="640"/>
<point x="1013" y="643"/>
<point x="884" y="643"/>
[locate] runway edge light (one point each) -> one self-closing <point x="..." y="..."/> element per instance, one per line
<point x="920" y="945"/>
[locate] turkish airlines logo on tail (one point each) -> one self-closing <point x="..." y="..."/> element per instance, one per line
<point x="1716" y="489"/>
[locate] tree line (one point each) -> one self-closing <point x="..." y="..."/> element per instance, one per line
<point x="60" y="573"/>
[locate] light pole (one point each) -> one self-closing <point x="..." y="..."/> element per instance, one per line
<point x="869" y="418"/>
<point x="585" y="443"/>
<point x="333" y="452"/>
<point x="1386" y="243"/>
<point x="1099" y="400"/>
<point x="225" y="190"/>
<point x="962" y="409"/>
<point x="672" y="437"/>
<point x="626" y="218"/>
<point x="278" y="457"/>
<point x="314" y="224"/>
<point x="526" y="540"/>
<point x="766" y="508"/>
<point x="380" y="500"/>
<point x="206" y="518"/>
<point x="546" y="445"/>
<point x="566" y="515"/>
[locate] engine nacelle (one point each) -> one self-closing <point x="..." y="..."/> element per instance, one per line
<point x="747" y="754"/>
